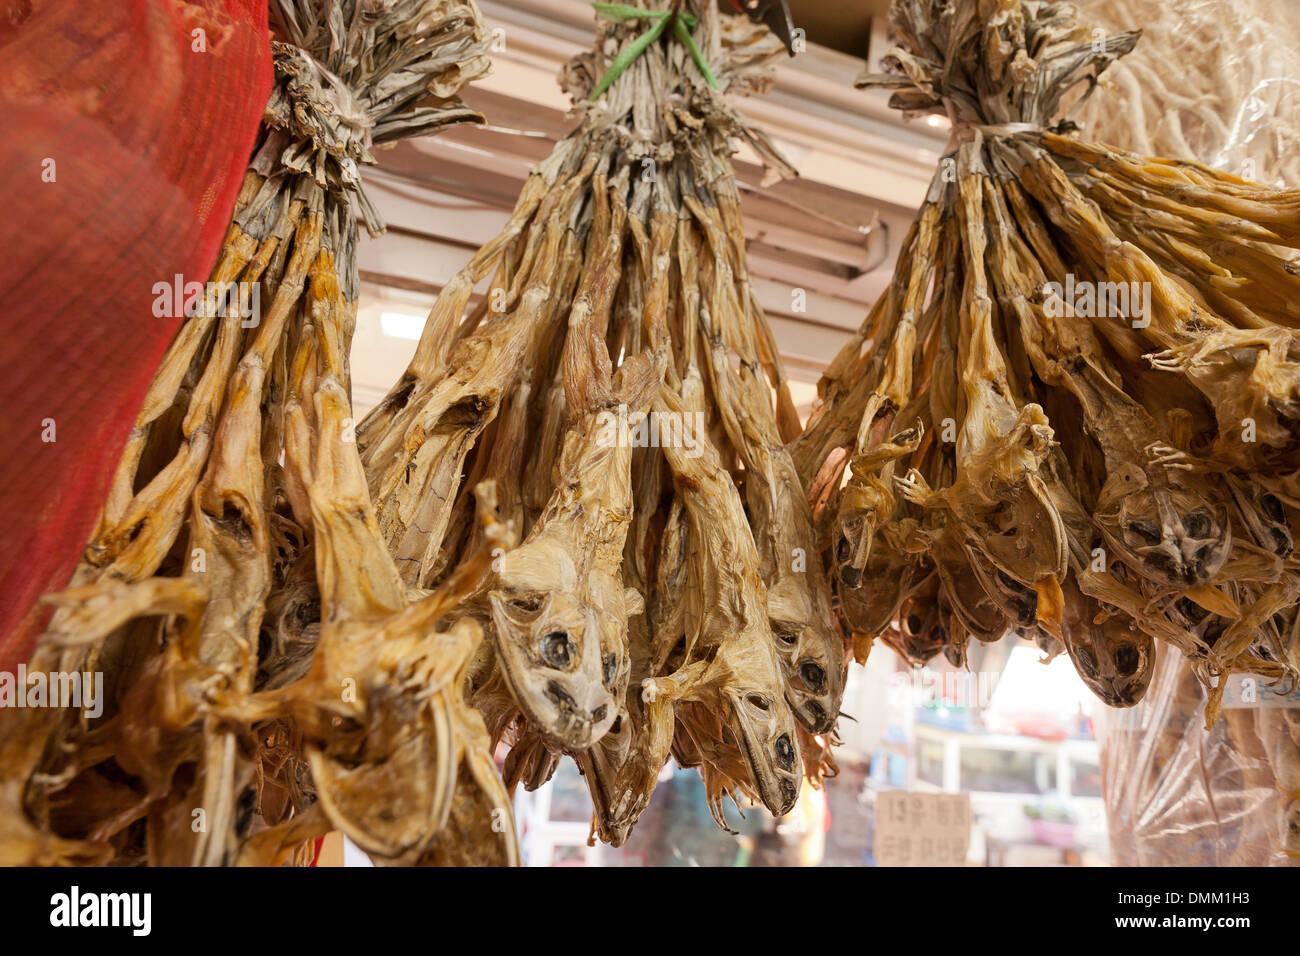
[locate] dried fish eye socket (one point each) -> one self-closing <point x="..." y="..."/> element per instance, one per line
<point x="523" y="606"/>
<point x="557" y="650"/>
<point x="784" y="752"/>
<point x="1145" y="532"/>
<point x="813" y="675"/>
<point x="1127" y="660"/>
<point x="1271" y="505"/>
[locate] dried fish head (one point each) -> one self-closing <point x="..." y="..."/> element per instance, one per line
<point x="559" y="606"/>
<point x="1019" y="533"/>
<point x="961" y="589"/>
<point x="386" y="774"/>
<point x="1115" y="660"/>
<point x="1264" y="516"/>
<point x="1172" y="532"/>
<point x="768" y="739"/>
<point x="853" y="535"/>
<point x="548" y="647"/>
<point x="811" y="653"/>
<point x="398" y="755"/>
<point x="922" y="629"/>
<point x="1112" y="656"/>
<point x="954" y="651"/>
<point x="606" y="766"/>
<point x="1017" y="600"/>
<point x="866" y="501"/>
<point x="891" y="571"/>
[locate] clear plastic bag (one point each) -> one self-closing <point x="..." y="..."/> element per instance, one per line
<point x="1218" y="83"/>
<point x="1214" y="81"/>
<point x="1180" y="795"/>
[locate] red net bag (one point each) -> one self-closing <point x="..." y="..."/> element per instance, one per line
<point x="128" y="124"/>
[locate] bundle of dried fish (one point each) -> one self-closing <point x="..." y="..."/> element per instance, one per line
<point x="617" y="382"/>
<point x="1076" y="410"/>
<point x="268" y="674"/>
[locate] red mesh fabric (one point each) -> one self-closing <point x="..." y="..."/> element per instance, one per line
<point x="149" y="137"/>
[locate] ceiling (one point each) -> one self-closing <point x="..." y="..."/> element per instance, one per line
<point x="843" y="25"/>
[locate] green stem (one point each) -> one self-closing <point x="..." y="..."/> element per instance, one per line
<point x="683" y="24"/>
<point x="629" y="54"/>
<point x="684" y="34"/>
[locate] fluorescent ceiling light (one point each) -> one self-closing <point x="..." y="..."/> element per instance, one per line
<point x="399" y="325"/>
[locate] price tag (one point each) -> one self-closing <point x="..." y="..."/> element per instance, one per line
<point x="922" y="829"/>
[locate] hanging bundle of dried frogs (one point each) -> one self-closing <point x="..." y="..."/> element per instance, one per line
<point x="1075" y="412"/>
<point x="619" y="383"/>
<point x="267" y="675"/>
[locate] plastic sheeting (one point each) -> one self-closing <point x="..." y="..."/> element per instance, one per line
<point x="127" y="127"/>
<point x="1214" y="81"/>
<point x="1180" y="795"/>
<point x="1218" y="83"/>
